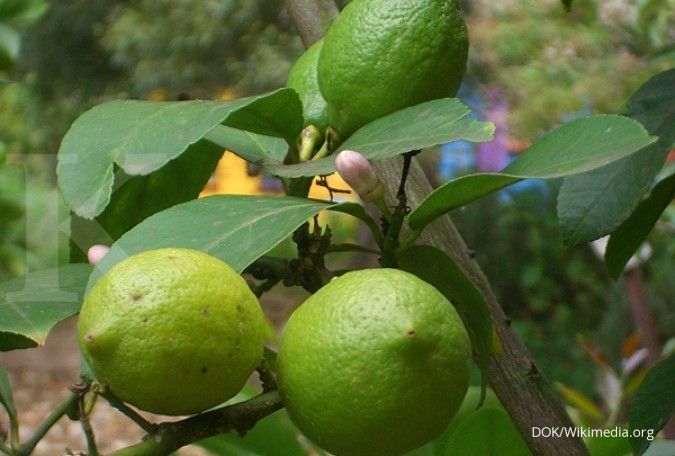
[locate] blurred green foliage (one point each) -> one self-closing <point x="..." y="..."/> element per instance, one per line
<point x="553" y="294"/>
<point x="552" y="64"/>
<point x="15" y="14"/>
<point x="132" y="48"/>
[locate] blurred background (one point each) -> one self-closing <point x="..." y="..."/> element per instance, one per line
<point x="532" y="66"/>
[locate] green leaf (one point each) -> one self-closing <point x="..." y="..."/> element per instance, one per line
<point x="632" y="233"/>
<point x="236" y="229"/>
<point x="142" y="136"/>
<point x="139" y="197"/>
<point x="593" y="204"/>
<point x="252" y="147"/>
<point x="576" y="147"/>
<point x="654" y="402"/>
<point x="32" y="305"/>
<point x="435" y="267"/>
<point x="424" y="125"/>
<point x="6" y="397"/>
<point x="487" y="432"/>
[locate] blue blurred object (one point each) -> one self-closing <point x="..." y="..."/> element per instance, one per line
<point x="463" y="157"/>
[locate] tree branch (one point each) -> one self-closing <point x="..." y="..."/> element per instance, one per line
<point x="171" y="436"/>
<point x="312" y="17"/>
<point x="513" y="374"/>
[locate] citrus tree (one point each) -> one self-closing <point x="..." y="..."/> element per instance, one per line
<point x="374" y="362"/>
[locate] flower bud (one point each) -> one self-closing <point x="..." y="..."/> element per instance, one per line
<point x="357" y="171"/>
<point x="96" y="253"/>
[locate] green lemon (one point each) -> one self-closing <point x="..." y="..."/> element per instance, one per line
<point x="375" y="363"/>
<point x="172" y="331"/>
<point x="303" y="79"/>
<point x="380" y="56"/>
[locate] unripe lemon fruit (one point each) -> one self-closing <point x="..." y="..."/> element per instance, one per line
<point x="380" y="56"/>
<point x="172" y="331"/>
<point x="303" y="79"/>
<point x="375" y="363"/>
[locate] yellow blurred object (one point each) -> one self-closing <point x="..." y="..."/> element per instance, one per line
<point x="232" y="178"/>
<point x="158" y="95"/>
<point x="226" y="94"/>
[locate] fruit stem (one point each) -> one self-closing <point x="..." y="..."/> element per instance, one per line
<point x="309" y="138"/>
<point x="115" y="402"/>
<point x="323" y="152"/>
<point x="392" y="225"/>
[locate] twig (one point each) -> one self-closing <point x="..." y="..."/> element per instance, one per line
<point x="407" y="158"/>
<point x="92" y="449"/>
<point x="347" y="247"/>
<point x="240" y="417"/>
<point x="27" y="447"/>
<point x="129" y="412"/>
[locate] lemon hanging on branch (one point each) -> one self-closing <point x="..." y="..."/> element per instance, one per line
<point x="380" y="56"/>
<point x="374" y="363"/>
<point x="172" y="331"/>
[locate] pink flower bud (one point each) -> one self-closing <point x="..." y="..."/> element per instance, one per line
<point x="357" y="171"/>
<point x="96" y="253"/>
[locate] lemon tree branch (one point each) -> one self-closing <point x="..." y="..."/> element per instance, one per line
<point x="312" y="17"/>
<point x="239" y="417"/>
<point x="525" y="393"/>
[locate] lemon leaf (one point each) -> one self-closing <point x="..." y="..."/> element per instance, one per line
<point x="143" y="136"/>
<point x="488" y="432"/>
<point x="417" y="127"/>
<point x="578" y="146"/>
<point x="653" y="403"/>
<point x="593" y="204"/>
<point x="237" y="229"/>
<point x="251" y="147"/>
<point x="30" y="306"/>
<point x="138" y="197"/>
<point x="629" y="236"/>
